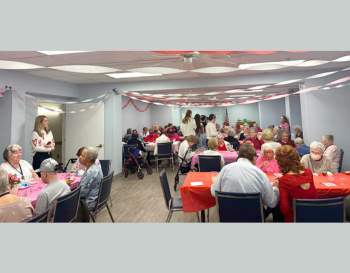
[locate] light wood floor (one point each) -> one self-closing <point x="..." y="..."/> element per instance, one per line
<point x="141" y="201"/>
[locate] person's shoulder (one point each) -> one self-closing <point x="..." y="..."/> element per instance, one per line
<point x="25" y="201"/>
<point x="34" y="133"/>
<point x="305" y="157"/>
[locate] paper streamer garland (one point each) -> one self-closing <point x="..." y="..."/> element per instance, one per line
<point x="136" y="107"/>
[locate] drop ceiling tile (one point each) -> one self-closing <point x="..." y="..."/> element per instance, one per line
<point x="49" y="73"/>
<point x="20" y="54"/>
<point x="43" y="61"/>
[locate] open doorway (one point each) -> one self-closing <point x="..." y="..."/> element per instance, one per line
<point x="55" y="125"/>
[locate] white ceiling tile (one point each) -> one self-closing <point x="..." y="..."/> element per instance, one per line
<point x="20" y="54"/>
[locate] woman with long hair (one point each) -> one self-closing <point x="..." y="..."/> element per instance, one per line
<point x="200" y="135"/>
<point x="188" y="124"/>
<point x="285" y="124"/>
<point x="43" y="143"/>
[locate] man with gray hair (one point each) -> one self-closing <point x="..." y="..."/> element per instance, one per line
<point x="316" y="161"/>
<point x="301" y="147"/>
<point x="55" y="188"/>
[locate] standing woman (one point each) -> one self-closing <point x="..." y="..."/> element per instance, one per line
<point x="200" y="135"/>
<point x="285" y="124"/>
<point x="188" y="124"/>
<point x="42" y="143"/>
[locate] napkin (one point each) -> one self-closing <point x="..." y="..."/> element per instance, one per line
<point x="196" y="183"/>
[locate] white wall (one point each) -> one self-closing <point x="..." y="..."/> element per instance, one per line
<point x="271" y="112"/>
<point x="242" y="111"/>
<point x="161" y="114"/>
<point x="327" y="112"/>
<point x="5" y="121"/>
<point x="294" y="111"/>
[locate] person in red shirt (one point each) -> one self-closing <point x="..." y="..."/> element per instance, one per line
<point x="285" y="139"/>
<point x="223" y="145"/>
<point x="296" y="182"/>
<point x="151" y="137"/>
<point x="257" y="141"/>
<point x="256" y="126"/>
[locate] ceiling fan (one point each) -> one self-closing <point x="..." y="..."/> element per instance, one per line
<point x="188" y="58"/>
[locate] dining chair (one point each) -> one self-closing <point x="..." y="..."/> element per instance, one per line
<point x="209" y="163"/>
<point x="239" y="207"/>
<point x="65" y="208"/>
<point x="126" y="148"/>
<point x="341" y="160"/>
<point x="103" y="196"/>
<point x="106" y="168"/>
<point x="330" y="210"/>
<point x="41" y="218"/>
<point x="165" y="151"/>
<point x="171" y="203"/>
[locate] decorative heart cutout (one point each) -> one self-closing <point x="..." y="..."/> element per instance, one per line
<point x="34" y="142"/>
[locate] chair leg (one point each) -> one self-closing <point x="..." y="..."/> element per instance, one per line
<point x="92" y="217"/>
<point x="110" y="214"/>
<point x="198" y="217"/>
<point x="110" y="201"/>
<point x="208" y="216"/>
<point x="169" y="216"/>
<point x="172" y="158"/>
<point x="157" y="163"/>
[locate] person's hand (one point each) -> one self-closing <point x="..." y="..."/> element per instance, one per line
<point x="52" y="148"/>
<point x="198" y="151"/>
<point x="232" y="150"/>
<point x="265" y="163"/>
<point x="259" y="137"/>
<point x="47" y="146"/>
<point x="276" y="183"/>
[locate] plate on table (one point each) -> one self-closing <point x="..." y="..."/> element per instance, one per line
<point x="347" y="173"/>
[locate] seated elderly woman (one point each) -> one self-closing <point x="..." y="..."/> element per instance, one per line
<point x="225" y="132"/>
<point x="14" y="209"/>
<point x="316" y="161"/>
<point x="331" y="150"/>
<point x="213" y="145"/>
<point x="231" y="139"/>
<point x="267" y="161"/>
<point x="257" y="127"/>
<point x="270" y="127"/>
<point x="298" y="132"/>
<point x="133" y="131"/>
<point x="276" y="133"/>
<point x="91" y="179"/>
<point x="254" y="138"/>
<point x="285" y="139"/>
<point x="244" y="134"/>
<point x="14" y="163"/>
<point x="297" y="182"/>
<point x="128" y="133"/>
<point x="267" y="137"/>
<point x="184" y="148"/>
<point x="217" y="127"/>
<point x="223" y="145"/>
<point x="77" y="167"/>
<point x="301" y="147"/>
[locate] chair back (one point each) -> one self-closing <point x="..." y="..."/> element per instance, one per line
<point x="66" y="207"/>
<point x="165" y="150"/>
<point x="330" y="210"/>
<point x="209" y="163"/>
<point x="239" y="207"/>
<point x="104" y="191"/>
<point x="234" y="145"/>
<point x="41" y="218"/>
<point x="127" y="149"/>
<point x="165" y="188"/>
<point x="105" y="166"/>
<point x="341" y="159"/>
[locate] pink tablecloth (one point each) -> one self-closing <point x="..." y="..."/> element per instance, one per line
<point x="229" y="157"/>
<point x="33" y="191"/>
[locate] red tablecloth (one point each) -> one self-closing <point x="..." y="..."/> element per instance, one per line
<point x="196" y="198"/>
<point x="229" y="157"/>
<point x="33" y="191"/>
<point x="323" y="192"/>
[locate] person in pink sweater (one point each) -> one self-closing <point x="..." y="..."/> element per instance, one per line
<point x="267" y="161"/>
<point x="285" y="124"/>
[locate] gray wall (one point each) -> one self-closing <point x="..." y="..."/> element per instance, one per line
<point x="327" y="112"/>
<point x="295" y="111"/>
<point x="160" y="114"/>
<point x="271" y="112"/>
<point x="243" y="111"/>
<point x="5" y="121"/>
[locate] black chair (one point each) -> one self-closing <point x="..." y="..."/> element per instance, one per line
<point x="341" y="160"/>
<point x="209" y="163"/>
<point x="65" y="208"/>
<point x="330" y="210"/>
<point x="165" y="151"/>
<point x="103" y="196"/>
<point x="234" y="145"/>
<point x="171" y="203"/>
<point x="41" y="218"/>
<point x="127" y="151"/>
<point x="106" y="168"/>
<point x="239" y="207"/>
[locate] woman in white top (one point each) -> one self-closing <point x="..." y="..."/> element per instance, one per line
<point x="211" y="129"/>
<point x="200" y="134"/>
<point x="42" y="143"/>
<point x="15" y="165"/>
<point x="188" y="124"/>
<point x="185" y="145"/>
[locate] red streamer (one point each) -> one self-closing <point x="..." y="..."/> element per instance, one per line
<point x="136" y="107"/>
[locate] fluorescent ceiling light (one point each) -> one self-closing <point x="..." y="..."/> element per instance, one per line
<point x="212" y="93"/>
<point x="147" y="95"/>
<point x="158" y="95"/>
<point x="158" y="103"/>
<point x="60" y="52"/>
<point x="135" y="93"/>
<point x="245" y="66"/>
<point x="45" y="111"/>
<point x="241" y="91"/>
<point x="174" y="95"/>
<point x="17" y="65"/>
<point x="84" y="68"/>
<point x="192" y="95"/>
<point x="259" y="87"/>
<point x="145" y="101"/>
<point x="241" y="95"/>
<point x="131" y="75"/>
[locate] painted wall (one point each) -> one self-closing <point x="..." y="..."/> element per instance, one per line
<point x="271" y="112"/>
<point x="295" y="111"/>
<point x="242" y="111"/>
<point x="5" y="121"/>
<point x="326" y="112"/>
<point x="161" y="114"/>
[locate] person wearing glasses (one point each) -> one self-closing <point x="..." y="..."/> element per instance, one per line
<point x="316" y="161"/>
<point x="233" y="178"/>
